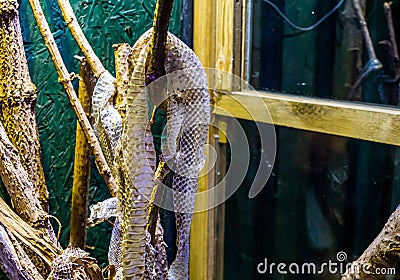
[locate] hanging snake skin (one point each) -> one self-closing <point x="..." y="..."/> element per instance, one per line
<point x="187" y="127"/>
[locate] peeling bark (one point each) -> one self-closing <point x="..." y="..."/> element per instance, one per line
<point x="384" y="252"/>
<point x="39" y="243"/>
<point x="27" y="265"/>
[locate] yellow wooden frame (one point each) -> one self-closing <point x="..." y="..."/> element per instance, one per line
<point x="350" y="119"/>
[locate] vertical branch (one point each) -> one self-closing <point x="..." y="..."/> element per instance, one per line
<point x="388" y="13"/>
<point x="121" y="52"/>
<point x="350" y="59"/>
<point x="18" y="99"/>
<point x="155" y="69"/>
<point x="80" y="187"/>
<point x="155" y="61"/>
<point x="359" y="11"/>
<point x="65" y="80"/>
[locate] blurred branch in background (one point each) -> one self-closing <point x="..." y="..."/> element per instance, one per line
<point x="373" y="64"/>
<point x="384" y="252"/>
<point x="391" y="61"/>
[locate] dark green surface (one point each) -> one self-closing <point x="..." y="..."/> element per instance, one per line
<point x="104" y="23"/>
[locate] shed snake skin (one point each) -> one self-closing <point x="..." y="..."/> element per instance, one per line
<point x="129" y="150"/>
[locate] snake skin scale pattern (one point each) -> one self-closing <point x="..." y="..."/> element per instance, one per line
<point x="129" y="150"/>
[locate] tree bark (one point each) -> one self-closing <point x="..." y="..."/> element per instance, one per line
<point x="19" y="187"/>
<point x="384" y="252"/>
<point x="156" y="57"/>
<point x="80" y="187"/>
<point x="10" y="262"/>
<point x="32" y="238"/>
<point x="121" y="52"/>
<point x="18" y="100"/>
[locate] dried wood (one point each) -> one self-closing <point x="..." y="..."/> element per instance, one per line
<point x="65" y="80"/>
<point x="80" y="185"/>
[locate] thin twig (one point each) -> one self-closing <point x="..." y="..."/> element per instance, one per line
<point x="160" y="176"/>
<point x="65" y="80"/>
<point x="76" y="31"/>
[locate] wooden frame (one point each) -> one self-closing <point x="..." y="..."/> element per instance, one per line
<point x="350" y="119"/>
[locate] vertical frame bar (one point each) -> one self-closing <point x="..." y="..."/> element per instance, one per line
<point x="204" y="18"/>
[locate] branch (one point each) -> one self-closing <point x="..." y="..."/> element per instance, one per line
<point x="80" y="186"/>
<point x="121" y="52"/>
<point x="10" y="261"/>
<point x="155" y="69"/>
<point x="391" y="65"/>
<point x="388" y="13"/>
<point x="65" y="80"/>
<point x="18" y="100"/>
<point x="32" y="238"/>
<point x="155" y="60"/>
<point x="76" y="31"/>
<point x="18" y="185"/>
<point x="160" y="176"/>
<point x="359" y="11"/>
<point x="384" y="252"/>
<point x="27" y="265"/>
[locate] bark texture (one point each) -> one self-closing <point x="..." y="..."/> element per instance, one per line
<point x="19" y="187"/>
<point x="382" y="253"/>
<point x="32" y="238"/>
<point x="10" y="262"/>
<point x="80" y="187"/>
<point x="18" y="99"/>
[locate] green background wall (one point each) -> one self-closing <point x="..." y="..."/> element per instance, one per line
<point x="104" y="23"/>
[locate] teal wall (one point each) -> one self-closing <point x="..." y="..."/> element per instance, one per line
<point x="105" y="23"/>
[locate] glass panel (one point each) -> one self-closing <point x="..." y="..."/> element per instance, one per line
<point x="326" y="195"/>
<point x="327" y="60"/>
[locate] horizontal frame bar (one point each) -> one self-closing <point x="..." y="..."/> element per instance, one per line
<point x="350" y="119"/>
